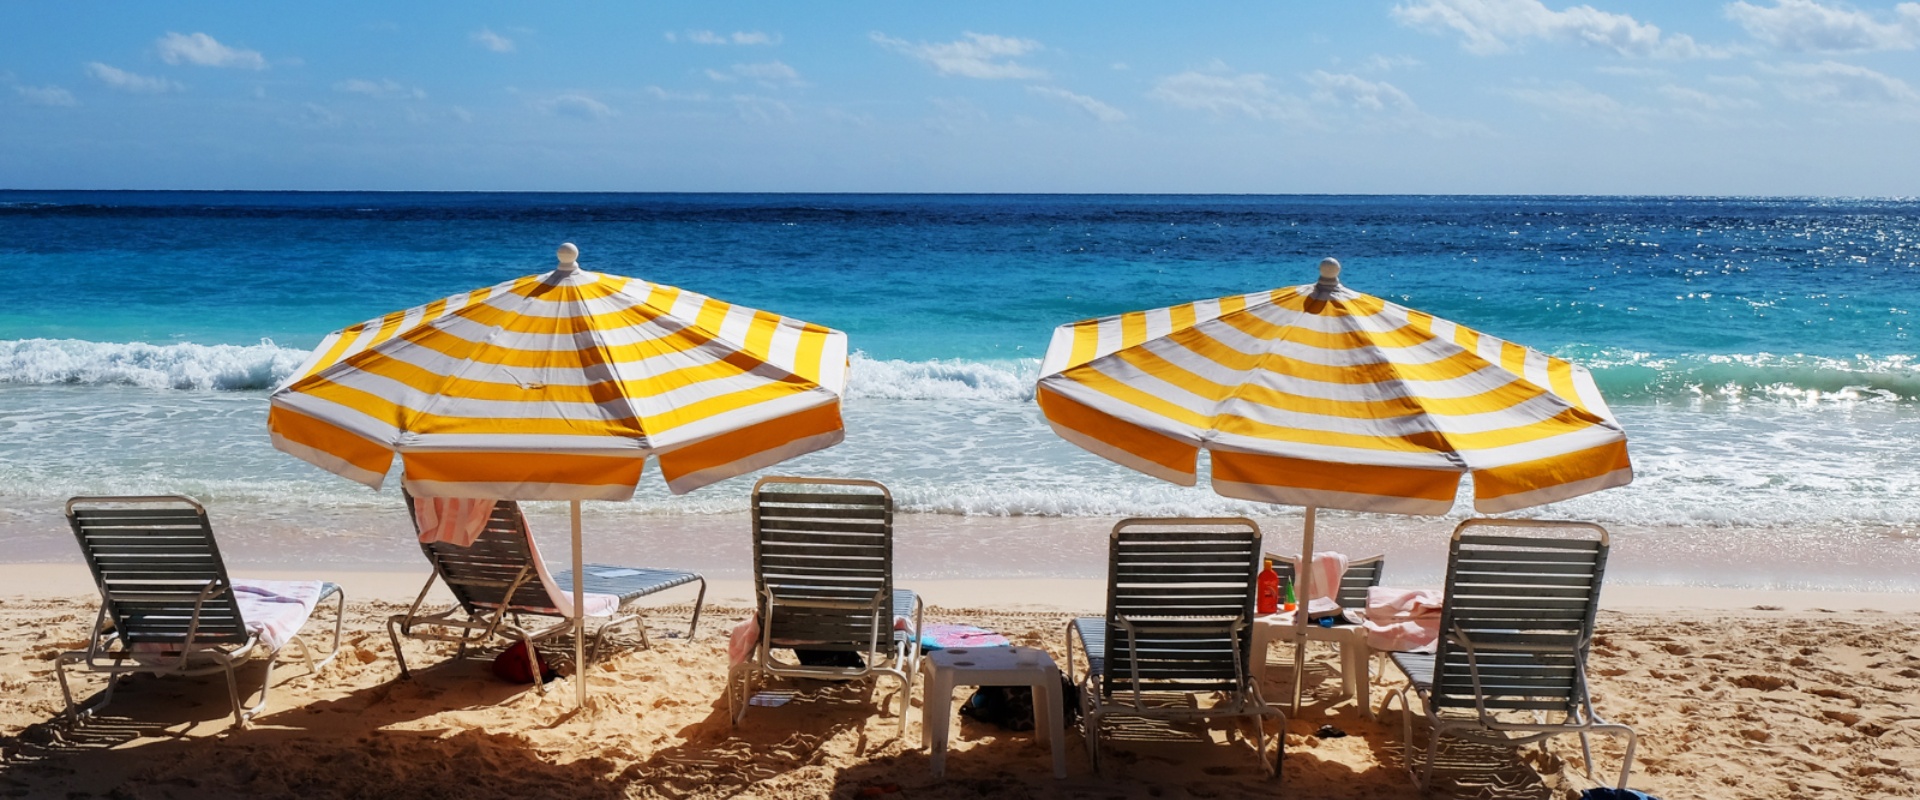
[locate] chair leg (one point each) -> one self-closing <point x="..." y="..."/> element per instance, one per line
<point x="399" y="653"/>
<point x="698" y="602"/>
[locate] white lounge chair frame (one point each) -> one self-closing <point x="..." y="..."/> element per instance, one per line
<point x="163" y="583"/>
<point x="1514" y="635"/>
<point x="1180" y="596"/>
<point x="823" y="577"/>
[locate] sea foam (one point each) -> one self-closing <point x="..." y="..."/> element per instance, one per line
<point x="220" y="367"/>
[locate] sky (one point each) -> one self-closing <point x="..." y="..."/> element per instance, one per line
<point x="1752" y="97"/>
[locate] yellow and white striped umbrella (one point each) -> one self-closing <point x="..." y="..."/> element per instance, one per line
<point x="1321" y="396"/>
<point x="559" y="386"/>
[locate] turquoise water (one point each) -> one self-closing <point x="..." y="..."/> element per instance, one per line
<point x="1759" y="351"/>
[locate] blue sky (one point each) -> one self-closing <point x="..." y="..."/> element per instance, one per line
<point x="1415" y="96"/>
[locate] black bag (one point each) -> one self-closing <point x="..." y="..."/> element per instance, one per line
<point x="1011" y="707"/>
<point x="843" y="659"/>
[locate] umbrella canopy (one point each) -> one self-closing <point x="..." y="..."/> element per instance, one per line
<point x="1323" y="397"/>
<point x="1318" y="395"/>
<point x="559" y="387"/>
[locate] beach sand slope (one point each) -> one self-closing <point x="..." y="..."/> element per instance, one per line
<point x="1755" y="703"/>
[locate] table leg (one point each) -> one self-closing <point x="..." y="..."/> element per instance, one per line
<point x="936" y="714"/>
<point x="1049" y="726"/>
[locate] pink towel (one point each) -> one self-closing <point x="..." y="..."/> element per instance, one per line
<point x="455" y="520"/>
<point x="1405" y="620"/>
<point x="597" y="605"/>
<point x="1324" y="581"/>
<point x="746" y="635"/>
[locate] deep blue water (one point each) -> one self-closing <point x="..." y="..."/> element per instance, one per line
<point x="1760" y="350"/>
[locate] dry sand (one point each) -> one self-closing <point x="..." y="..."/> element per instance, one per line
<point x="1734" y="694"/>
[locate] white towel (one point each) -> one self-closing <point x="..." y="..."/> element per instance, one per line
<point x="1405" y="620"/>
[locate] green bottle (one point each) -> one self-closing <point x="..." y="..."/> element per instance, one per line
<point x="1287" y="600"/>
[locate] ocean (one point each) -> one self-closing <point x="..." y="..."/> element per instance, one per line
<point x="1759" y="352"/>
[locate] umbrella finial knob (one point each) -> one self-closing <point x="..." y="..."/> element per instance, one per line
<point x="1329" y="272"/>
<point x="569" y="257"/>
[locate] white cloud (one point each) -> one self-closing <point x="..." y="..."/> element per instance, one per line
<point x="1807" y="26"/>
<point x="1632" y="72"/>
<point x="1358" y="92"/>
<point x="1688" y="100"/>
<point x="578" y="106"/>
<point x="1100" y="111"/>
<point x="1574" y="100"/>
<point x="461" y="114"/>
<point x="721" y="76"/>
<point x="486" y="38"/>
<point x="201" y="49"/>
<point x="1227" y="95"/>
<point x="1487" y="27"/>
<point x="1380" y="63"/>
<point x="51" y="96"/>
<point x="129" y="82"/>
<point x="737" y="38"/>
<point x="663" y="94"/>
<point x="770" y="72"/>
<point x="386" y="89"/>
<point x="1833" y="83"/>
<point x="979" y="55"/>
<point x="755" y="37"/>
<point x="754" y="108"/>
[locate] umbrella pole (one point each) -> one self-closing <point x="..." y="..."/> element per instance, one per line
<point x="1303" y="577"/>
<point x="579" y="612"/>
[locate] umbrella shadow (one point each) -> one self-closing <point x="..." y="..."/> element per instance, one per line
<point x="718" y="758"/>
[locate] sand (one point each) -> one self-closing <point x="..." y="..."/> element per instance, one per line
<point x="1750" y="694"/>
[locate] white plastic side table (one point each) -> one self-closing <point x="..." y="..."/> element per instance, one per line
<point x="1351" y="639"/>
<point x="991" y="666"/>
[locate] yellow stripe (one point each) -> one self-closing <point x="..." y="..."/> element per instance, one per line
<point x="1560" y="379"/>
<point x="746" y="442"/>
<point x="1455" y="366"/>
<point x="1128" y="393"/>
<point x="523" y="467"/>
<point x="813" y="344"/>
<point x="1514" y="358"/>
<point x="1142" y="443"/>
<point x="1403" y="336"/>
<point x="662" y="298"/>
<point x="713" y="314"/>
<point x="1555" y="471"/>
<point x="1295" y="473"/>
<point x="1231" y="305"/>
<point x="1086" y="342"/>
<point x="331" y="439"/>
<point x="532" y="288"/>
<point x="759" y="340"/>
<point x="1184" y="316"/>
<point x="1133" y="328"/>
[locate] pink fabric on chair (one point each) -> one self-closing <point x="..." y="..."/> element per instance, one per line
<point x="741" y="642"/>
<point x="597" y="605"/>
<point x="275" y="610"/>
<point x="1404" y="620"/>
<point x="1324" y="581"/>
<point x="456" y="521"/>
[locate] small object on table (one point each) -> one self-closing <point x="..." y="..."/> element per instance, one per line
<point x="992" y="666"/>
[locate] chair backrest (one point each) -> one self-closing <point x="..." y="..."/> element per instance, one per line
<point x="818" y="539"/>
<point x="1183" y="584"/>
<point x="1362" y="574"/>
<point x="481" y="575"/>
<point x="152" y="557"/>
<point x="1527" y="604"/>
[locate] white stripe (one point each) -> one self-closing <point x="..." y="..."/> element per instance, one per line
<point x="735" y="325"/>
<point x="338" y="416"/>
<point x="1489" y="349"/>
<point x="1110" y="337"/>
<point x="783" y="349"/>
<point x="1058" y="351"/>
<point x="1444" y="330"/>
<point x="1206" y="310"/>
<point x="1535" y="366"/>
<point x="1159" y="322"/>
<point x="833" y="363"/>
<point x="729" y="421"/>
<point x="688" y="305"/>
<point x="1590" y="398"/>
<point x="1337" y="455"/>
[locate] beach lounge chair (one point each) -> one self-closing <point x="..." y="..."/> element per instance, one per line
<point x="1514" y="633"/>
<point x="1180" y="596"/>
<point x="168" y="608"/>
<point x="499" y="579"/>
<point x="823" y="583"/>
